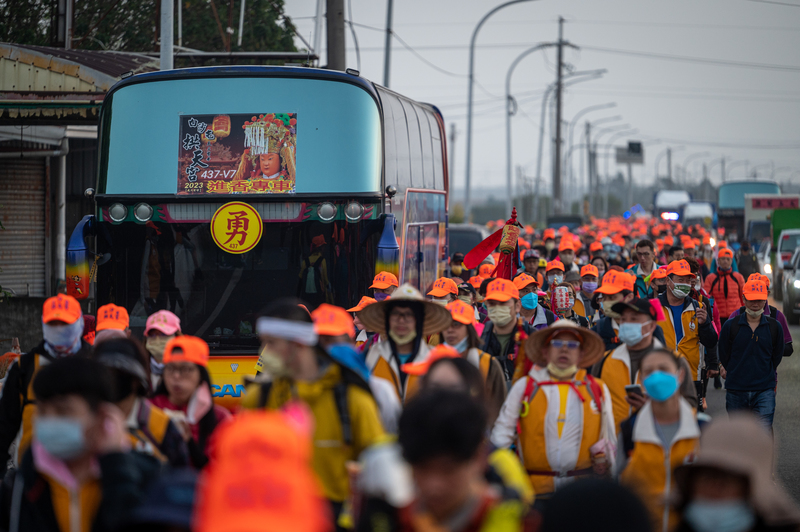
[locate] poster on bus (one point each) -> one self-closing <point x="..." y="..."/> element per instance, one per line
<point x="237" y="154"/>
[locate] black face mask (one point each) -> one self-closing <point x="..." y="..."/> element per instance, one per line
<point x="661" y="289"/>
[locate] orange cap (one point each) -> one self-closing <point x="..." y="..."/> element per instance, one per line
<point x="112" y="317"/>
<point x="566" y="244"/>
<point x="668" y="240"/>
<point x="549" y="233"/>
<point x="658" y="273"/>
<point x="461" y="312"/>
<point x="689" y="244"/>
<point x="485" y="270"/>
<point x="615" y="282"/>
<point x="554" y="265"/>
<point x="384" y="280"/>
<point x="755" y="291"/>
<point x="679" y="267"/>
<point x="330" y="320"/>
<point x="476" y="281"/>
<point x="590" y="269"/>
<point x="437" y="353"/>
<point x="522" y="280"/>
<point x="725" y="252"/>
<point x="443" y="286"/>
<point x="190" y="349"/>
<point x="61" y="308"/>
<point x="722" y="244"/>
<point x="596" y="246"/>
<point x="365" y="301"/>
<point x="501" y="290"/>
<point x="261" y="473"/>
<point x="758" y="277"/>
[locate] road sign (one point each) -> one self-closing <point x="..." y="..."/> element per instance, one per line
<point x="633" y="154"/>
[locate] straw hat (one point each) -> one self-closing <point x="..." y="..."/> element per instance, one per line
<point x="591" y="344"/>
<point x="437" y="318"/>
<point x="742" y="446"/>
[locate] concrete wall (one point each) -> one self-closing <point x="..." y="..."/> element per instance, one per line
<point x="21" y="317"/>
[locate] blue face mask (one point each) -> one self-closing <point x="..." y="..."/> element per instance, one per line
<point x="631" y="333"/>
<point x="380" y="296"/>
<point x="661" y="386"/>
<point x="589" y="288"/>
<point x="530" y="301"/>
<point x="462" y="345"/>
<point x="61" y="437"/>
<point x="720" y="516"/>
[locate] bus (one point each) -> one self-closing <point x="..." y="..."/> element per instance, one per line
<point x="221" y="189"/>
<point x="730" y="204"/>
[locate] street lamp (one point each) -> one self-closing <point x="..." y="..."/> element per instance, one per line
<point x="744" y="162"/>
<point x="753" y="169"/>
<point x="590" y="75"/>
<point x="721" y="162"/>
<point x="511" y="109"/>
<point x="608" y="146"/>
<point x="691" y="157"/>
<point x="470" y="98"/>
<point x="660" y="155"/>
<point x="581" y="113"/>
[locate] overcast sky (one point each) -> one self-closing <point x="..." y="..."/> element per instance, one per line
<point x="737" y="109"/>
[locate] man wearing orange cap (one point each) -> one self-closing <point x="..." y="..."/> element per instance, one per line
<point x="554" y="274"/>
<point x="444" y="291"/>
<point x="725" y="285"/>
<point x="617" y="287"/>
<point x="62" y="327"/>
<point x="112" y="322"/>
<point x="504" y="334"/>
<point x="750" y="349"/>
<point x="549" y="237"/>
<point x="535" y="315"/>
<point x="687" y="324"/>
<point x="384" y="285"/>
<point x="566" y="253"/>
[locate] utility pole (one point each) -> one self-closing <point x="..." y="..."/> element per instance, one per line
<point x="630" y="186"/>
<point x="68" y="25"/>
<point x="557" y="209"/>
<point x="167" y="15"/>
<point x="723" y="169"/>
<point x="589" y="161"/>
<point x="452" y="150"/>
<point x="387" y="47"/>
<point x="669" y="164"/>
<point x="335" y="19"/>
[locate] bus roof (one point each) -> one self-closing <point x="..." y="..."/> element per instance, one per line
<point x="731" y="193"/>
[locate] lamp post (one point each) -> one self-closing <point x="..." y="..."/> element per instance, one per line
<point x="691" y="157"/>
<point x="721" y="162"/>
<point x="753" y="169"/>
<point x="511" y="110"/>
<point x="470" y="98"/>
<point x="743" y="162"/>
<point x="669" y="151"/>
<point x="588" y="145"/>
<point x="568" y="160"/>
<point x="609" y="144"/>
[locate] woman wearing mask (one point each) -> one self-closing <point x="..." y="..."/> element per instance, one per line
<point x="461" y="336"/>
<point x="534" y="314"/>
<point x="602" y="267"/>
<point x="729" y="486"/>
<point x="185" y="395"/>
<point x="658" y="438"/>
<point x="583" y="302"/>
<point x="161" y="327"/>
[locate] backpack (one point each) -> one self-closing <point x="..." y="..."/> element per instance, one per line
<point x="774" y="327"/>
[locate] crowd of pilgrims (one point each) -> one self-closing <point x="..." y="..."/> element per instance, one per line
<point x="569" y="397"/>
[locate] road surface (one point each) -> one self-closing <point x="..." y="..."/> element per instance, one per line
<point x="787" y="416"/>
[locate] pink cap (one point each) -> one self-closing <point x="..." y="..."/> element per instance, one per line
<point x="163" y="321"/>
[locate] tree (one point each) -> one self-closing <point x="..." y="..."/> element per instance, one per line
<point x="133" y="25"/>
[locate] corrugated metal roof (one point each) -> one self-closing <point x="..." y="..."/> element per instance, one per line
<point x="112" y="63"/>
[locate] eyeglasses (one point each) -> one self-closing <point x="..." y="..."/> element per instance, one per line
<point x="179" y="371"/>
<point x="401" y="316"/>
<point x="645" y="254"/>
<point x="572" y="344"/>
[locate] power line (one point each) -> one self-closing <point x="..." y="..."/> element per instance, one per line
<point x="777" y="3"/>
<point x="424" y="60"/>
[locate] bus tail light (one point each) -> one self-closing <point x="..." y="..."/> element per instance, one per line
<point x="143" y="212"/>
<point x="354" y="211"/>
<point x="118" y="212"/>
<point x="326" y="211"/>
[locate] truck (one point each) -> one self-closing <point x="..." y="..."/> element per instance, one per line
<point x="698" y="213"/>
<point x="784" y="242"/>
<point x="757" y="212"/>
<point x="731" y="204"/>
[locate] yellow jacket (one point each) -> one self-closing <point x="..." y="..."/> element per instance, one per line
<point x="650" y="466"/>
<point x="382" y="364"/>
<point x="331" y="450"/>
<point x="694" y="333"/>
<point x="550" y="459"/>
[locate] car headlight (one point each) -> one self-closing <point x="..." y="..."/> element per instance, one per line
<point x="797" y="284"/>
<point x="768" y="268"/>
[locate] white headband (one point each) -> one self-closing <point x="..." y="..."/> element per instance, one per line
<point x="296" y="331"/>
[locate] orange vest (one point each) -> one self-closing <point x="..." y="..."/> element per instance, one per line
<point x="533" y="443"/>
<point x="650" y="468"/>
<point x="382" y="364"/>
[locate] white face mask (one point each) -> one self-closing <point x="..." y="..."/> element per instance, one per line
<point x="500" y="315"/>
